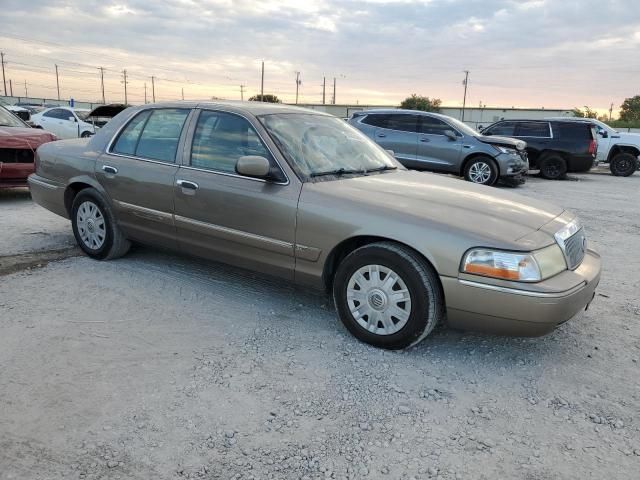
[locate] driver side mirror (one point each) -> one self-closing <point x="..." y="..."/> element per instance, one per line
<point x="450" y="134"/>
<point x="72" y="119"/>
<point x="391" y="152"/>
<point x="253" y="166"/>
<point x="603" y="133"/>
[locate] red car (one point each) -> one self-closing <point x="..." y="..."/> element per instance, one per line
<point x="18" y="143"/>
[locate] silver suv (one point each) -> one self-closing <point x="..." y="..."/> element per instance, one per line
<point x="431" y="141"/>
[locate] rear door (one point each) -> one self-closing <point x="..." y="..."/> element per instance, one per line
<point x="225" y="216"/>
<point x="436" y="151"/>
<point x="399" y="134"/>
<point x="138" y="172"/>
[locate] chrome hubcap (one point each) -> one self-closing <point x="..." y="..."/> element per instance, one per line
<point x="91" y="226"/>
<point x="480" y="172"/>
<point x="378" y="299"/>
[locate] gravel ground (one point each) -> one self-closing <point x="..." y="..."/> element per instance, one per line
<point x="159" y="366"/>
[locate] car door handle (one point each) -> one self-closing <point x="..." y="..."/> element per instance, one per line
<point x="109" y="169"/>
<point x="425" y="140"/>
<point x="187" y="184"/>
<point x="381" y="135"/>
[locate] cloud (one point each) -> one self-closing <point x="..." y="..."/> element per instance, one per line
<point x="527" y="53"/>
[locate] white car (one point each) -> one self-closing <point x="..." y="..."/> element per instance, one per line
<point x="620" y="150"/>
<point x="65" y="122"/>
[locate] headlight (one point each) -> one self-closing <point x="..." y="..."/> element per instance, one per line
<point x="514" y="266"/>
<point x="502" y="149"/>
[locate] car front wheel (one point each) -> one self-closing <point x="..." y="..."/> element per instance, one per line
<point x="481" y="170"/>
<point x="387" y="295"/>
<point x="623" y="165"/>
<point x="95" y="228"/>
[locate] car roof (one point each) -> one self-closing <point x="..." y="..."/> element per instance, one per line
<point x="255" y="108"/>
<point x="400" y="111"/>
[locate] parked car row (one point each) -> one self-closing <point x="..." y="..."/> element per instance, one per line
<point x="302" y="195"/>
<point x="503" y="151"/>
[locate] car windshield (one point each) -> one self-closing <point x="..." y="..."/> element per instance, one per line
<point x="82" y="114"/>
<point x="463" y="127"/>
<point x="8" y="119"/>
<point x="602" y="126"/>
<point x="324" y="145"/>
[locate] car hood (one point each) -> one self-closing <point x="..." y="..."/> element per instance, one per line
<point x="630" y="137"/>
<point x="505" y="141"/>
<point x="18" y="137"/>
<point x="488" y="214"/>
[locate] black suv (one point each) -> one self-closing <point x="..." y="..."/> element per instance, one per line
<point x="554" y="147"/>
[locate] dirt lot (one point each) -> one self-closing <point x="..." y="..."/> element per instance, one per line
<point x="157" y="366"/>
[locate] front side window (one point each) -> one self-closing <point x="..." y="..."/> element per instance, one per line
<point x="533" y="129"/>
<point x="153" y="134"/>
<point x="58" y="113"/>
<point x="221" y="139"/>
<point x="319" y="144"/>
<point x="377" y="120"/>
<point x="432" y="126"/>
<point x="502" y="128"/>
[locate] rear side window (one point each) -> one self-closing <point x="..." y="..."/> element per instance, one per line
<point x="503" y="128"/>
<point x="377" y="120"/>
<point x="221" y="139"/>
<point x="533" y="129"/>
<point x="574" y="131"/>
<point x="153" y="134"/>
<point x="403" y="123"/>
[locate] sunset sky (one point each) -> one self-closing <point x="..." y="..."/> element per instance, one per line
<point x="551" y="53"/>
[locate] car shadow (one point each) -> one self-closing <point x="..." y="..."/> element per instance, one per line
<point x="18" y="193"/>
<point x="292" y="304"/>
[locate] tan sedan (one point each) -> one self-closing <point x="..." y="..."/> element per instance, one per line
<point x="304" y="196"/>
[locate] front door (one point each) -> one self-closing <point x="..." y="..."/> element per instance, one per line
<point x="138" y="173"/>
<point x="436" y="151"/>
<point x="219" y="214"/>
<point x="57" y="122"/>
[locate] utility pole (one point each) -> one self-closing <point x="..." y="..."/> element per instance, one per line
<point x="464" y="99"/>
<point x="3" y="79"/>
<point x="104" y="102"/>
<point x="182" y="93"/>
<point x="124" y="74"/>
<point x="153" y="88"/>
<point x="10" y="88"/>
<point x="262" y="84"/>
<point x="297" y="85"/>
<point x="26" y="92"/>
<point x="57" y="82"/>
<point x="334" y="90"/>
<point x="324" y="88"/>
<point x="610" y="111"/>
<point x="242" y="92"/>
<point x="145" y="93"/>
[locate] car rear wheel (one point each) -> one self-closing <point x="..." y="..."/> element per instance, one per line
<point x="95" y="228"/>
<point x="481" y="170"/>
<point x="85" y="134"/>
<point x="552" y="167"/>
<point x="623" y="165"/>
<point x="387" y="295"/>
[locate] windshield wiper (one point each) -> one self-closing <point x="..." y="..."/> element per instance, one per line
<point x="337" y="171"/>
<point x="381" y="169"/>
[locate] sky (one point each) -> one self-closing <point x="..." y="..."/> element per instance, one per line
<point x="528" y="53"/>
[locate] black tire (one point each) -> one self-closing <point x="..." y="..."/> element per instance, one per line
<point x="114" y="243"/>
<point x="422" y="283"/>
<point x="85" y="135"/>
<point x="479" y="163"/>
<point x="552" y="166"/>
<point x="623" y="165"/>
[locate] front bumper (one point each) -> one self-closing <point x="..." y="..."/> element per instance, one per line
<point x="478" y="306"/>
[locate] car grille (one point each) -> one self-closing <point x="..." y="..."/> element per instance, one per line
<point x="16" y="155"/>
<point x="575" y="248"/>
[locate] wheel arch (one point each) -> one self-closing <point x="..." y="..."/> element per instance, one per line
<point x="345" y="247"/>
<point x="616" y="149"/>
<point x="75" y="186"/>
<point x="472" y="156"/>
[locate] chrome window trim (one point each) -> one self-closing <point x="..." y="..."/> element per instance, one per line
<point x="109" y="149"/>
<point x="526" y="293"/>
<point x="199" y="110"/>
